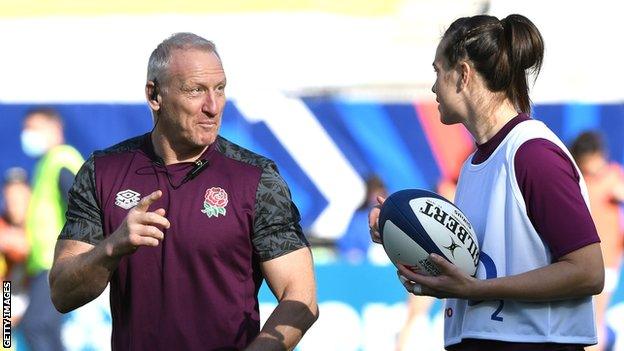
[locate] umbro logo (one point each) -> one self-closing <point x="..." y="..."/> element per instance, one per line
<point x="127" y="199"/>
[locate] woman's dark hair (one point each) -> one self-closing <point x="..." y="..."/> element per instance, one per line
<point x="502" y="51"/>
<point x="587" y="143"/>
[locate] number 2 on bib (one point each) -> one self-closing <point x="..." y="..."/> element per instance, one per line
<point x="490" y="272"/>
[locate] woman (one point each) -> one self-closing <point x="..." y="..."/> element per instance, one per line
<point x="540" y="254"/>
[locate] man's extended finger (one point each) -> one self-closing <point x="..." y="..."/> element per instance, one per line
<point x="146" y="201"/>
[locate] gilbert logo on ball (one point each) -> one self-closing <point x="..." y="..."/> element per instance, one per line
<point x="215" y="201"/>
<point x="414" y="223"/>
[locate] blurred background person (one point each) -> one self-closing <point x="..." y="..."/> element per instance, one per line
<point x="42" y="137"/>
<point x="605" y="183"/>
<point x="354" y="246"/>
<point x="13" y="244"/>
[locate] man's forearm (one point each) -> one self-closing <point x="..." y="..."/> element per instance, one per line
<point x="285" y="327"/>
<point x="78" y="279"/>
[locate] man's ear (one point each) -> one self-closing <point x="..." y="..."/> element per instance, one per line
<point x="152" y="93"/>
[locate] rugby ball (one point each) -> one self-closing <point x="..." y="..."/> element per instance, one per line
<point x="414" y="223"/>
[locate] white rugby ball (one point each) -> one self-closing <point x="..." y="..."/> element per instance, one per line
<point x="414" y="223"/>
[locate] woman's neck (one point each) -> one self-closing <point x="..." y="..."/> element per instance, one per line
<point x="485" y="121"/>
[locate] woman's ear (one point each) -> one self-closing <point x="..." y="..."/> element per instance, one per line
<point x="465" y="72"/>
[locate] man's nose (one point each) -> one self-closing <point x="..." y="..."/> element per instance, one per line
<point x="210" y="105"/>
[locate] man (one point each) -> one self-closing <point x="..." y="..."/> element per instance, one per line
<point x="185" y="225"/>
<point x="42" y="136"/>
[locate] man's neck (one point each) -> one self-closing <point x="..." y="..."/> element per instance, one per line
<point x="164" y="148"/>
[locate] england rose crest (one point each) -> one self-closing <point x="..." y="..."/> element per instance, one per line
<point x="215" y="201"/>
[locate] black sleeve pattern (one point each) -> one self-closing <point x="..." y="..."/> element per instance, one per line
<point x="276" y="225"/>
<point x="83" y="216"/>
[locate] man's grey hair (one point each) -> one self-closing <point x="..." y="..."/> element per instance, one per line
<point x="158" y="63"/>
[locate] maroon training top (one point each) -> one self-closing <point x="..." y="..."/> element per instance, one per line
<point x="197" y="290"/>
